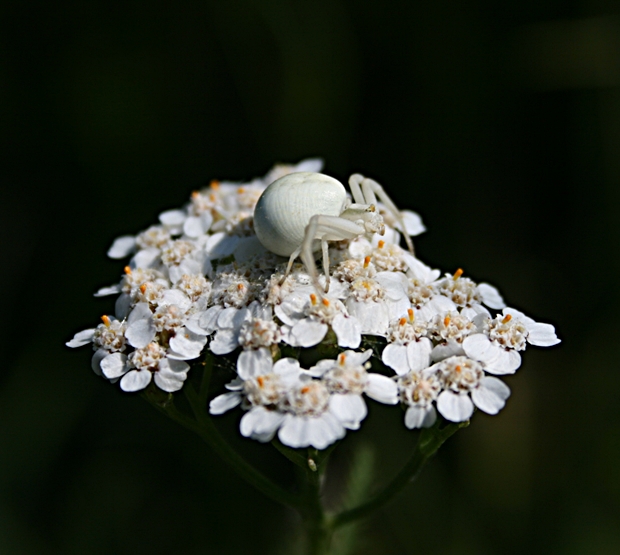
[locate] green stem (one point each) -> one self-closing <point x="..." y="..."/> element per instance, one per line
<point x="430" y="441"/>
<point x="318" y="530"/>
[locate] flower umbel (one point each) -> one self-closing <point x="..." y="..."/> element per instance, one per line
<point x="178" y="299"/>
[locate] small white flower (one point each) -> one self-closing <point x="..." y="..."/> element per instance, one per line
<point x="143" y="365"/>
<point x="418" y="390"/>
<point x="465" y="385"/>
<point x="407" y="348"/>
<point x="308" y="319"/>
<point x="503" y="336"/>
<point x="466" y="293"/>
<point x="347" y="378"/>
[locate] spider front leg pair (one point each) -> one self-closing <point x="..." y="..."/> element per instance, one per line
<point x="300" y="213"/>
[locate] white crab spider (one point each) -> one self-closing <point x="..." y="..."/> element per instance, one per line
<point x="299" y="213"/>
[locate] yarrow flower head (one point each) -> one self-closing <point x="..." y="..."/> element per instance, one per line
<point x="204" y="284"/>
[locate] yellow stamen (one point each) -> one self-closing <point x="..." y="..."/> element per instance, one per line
<point x="240" y="286"/>
<point x="457" y="274"/>
<point x="195" y="195"/>
<point x="106" y="320"/>
<point x="381" y="244"/>
<point x="402" y="321"/>
<point x="446" y="321"/>
<point x="411" y="314"/>
<point x="325" y="302"/>
<point x="506" y="319"/>
<point x="215" y="184"/>
<point x="366" y="261"/>
<point x="341" y="359"/>
<point x="313" y="299"/>
<point x="143" y="288"/>
<point x="127" y="270"/>
<point x="305" y="390"/>
<point x="212" y="197"/>
<point x="367" y="285"/>
<point x="240" y="190"/>
<point x="457" y="369"/>
<point x="371" y="208"/>
<point x="261" y="381"/>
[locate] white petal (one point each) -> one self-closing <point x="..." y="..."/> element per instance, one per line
<point x="394" y="283"/>
<point x="139" y="312"/>
<point x="268" y="424"/>
<point x="224" y="342"/>
<point x="293" y="431"/>
<point x="444" y="350"/>
<point x="419" y="354"/>
<point x="232" y="317"/>
<point x="95" y="362"/>
<point x="490" y="296"/>
<point x="122" y="306"/>
<point x="188" y="267"/>
<point x="348" y="330"/>
<point x="357" y="359"/>
<point x="192" y="324"/>
<point x="81" y="338"/>
<point x="313" y="165"/>
<point x="350" y="409"/>
<point x="173" y="218"/>
<point x="175" y="297"/>
<point x="251" y="364"/>
<point x="141" y="333"/>
<point x="292" y="309"/>
<point x="146" y="258"/>
<point x="382" y="389"/>
<point x="309" y="332"/>
<point x="479" y="347"/>
<point x="454" y="407"/>
<point x="259" y="310"/>
<point x="490" y="395"/>
<point x="395" y="356"/>
<point x="111" y="290"/>
<point x="518" y="315"/>
<point x="413" y="223"/>
<point x="288" y="369"/>
<point x="187" y="345"/>
<point x="193" y="226"/>
<point x="249" y="419"/>
<point x="122" y="247"/>
<point x="135" y="380"/>
<point x="374" y="317"/>
<point x="419" y="417"/>
<point x="114" y="365"/>
<point x="506" y="363"/>
<point x="224" y="402"/>
<point x="421" y="272"/>
<point x="168" y="380"/>
<point x="320" y="431"/>
<point x="542" y="335"/>
<point x="248" y="248"/>
<point x="360" y="247"/>
<point x="208" y="320"/>
<point x="221" y="245"/>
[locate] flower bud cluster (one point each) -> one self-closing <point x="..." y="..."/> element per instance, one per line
<point x="200" y="280"/>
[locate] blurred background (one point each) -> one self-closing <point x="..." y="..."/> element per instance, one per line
<point x="498" y="122"/>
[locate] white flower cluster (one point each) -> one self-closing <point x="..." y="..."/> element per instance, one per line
<point x="200" y="279"/>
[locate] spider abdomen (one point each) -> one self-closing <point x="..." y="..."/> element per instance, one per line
<point x="284" y="209"/>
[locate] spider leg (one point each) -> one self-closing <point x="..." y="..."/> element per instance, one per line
<point x="356" y="192"/>
<point x="325" y="248"/>
<point x="325" y="228"/>
<point x="292" y="258"/>
<point x="369" y="188"/>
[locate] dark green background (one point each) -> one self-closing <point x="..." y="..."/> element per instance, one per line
<point x="499" y="122"/>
